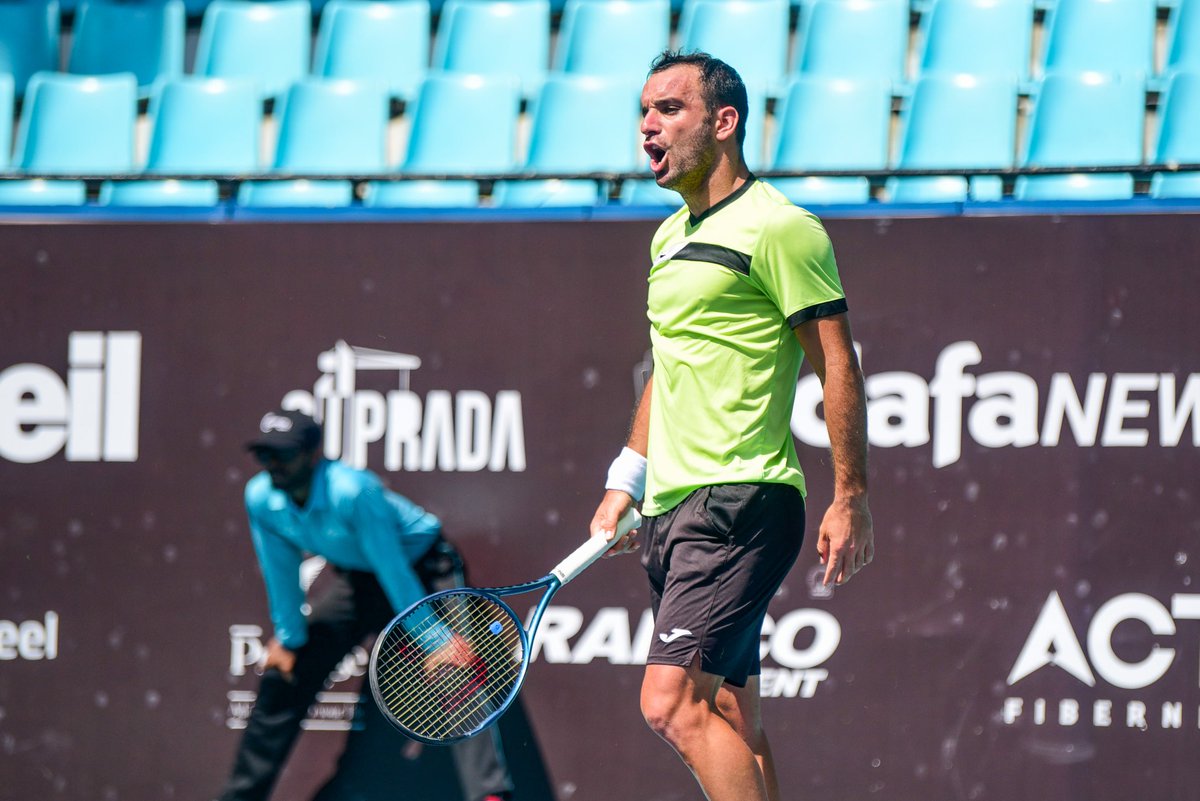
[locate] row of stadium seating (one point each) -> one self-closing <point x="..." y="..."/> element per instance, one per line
<point x="463" y="125"/>
<point x="397" y="41"/>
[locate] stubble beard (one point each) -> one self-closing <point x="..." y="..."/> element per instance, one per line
<point x="692" y="161"/>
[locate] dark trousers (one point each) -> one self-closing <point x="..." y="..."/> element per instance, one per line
<point x="354" y="607"/>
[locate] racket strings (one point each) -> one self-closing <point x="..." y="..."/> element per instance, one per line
<point x="449" y="664"/>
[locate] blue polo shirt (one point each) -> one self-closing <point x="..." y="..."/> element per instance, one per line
<point x="353" y="521"/>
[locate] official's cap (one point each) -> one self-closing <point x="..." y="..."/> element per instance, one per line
<point x="283" y="430"/>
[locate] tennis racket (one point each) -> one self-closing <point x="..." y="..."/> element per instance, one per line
<point x="448" y="666"/>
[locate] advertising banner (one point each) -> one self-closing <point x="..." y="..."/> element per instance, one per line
<point x="1029" y="629"/>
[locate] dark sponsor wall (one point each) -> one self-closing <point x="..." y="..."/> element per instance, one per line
<point x="1029" y="628"/>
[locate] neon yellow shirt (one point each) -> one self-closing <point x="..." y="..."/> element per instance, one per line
<point x="725" y="292"/>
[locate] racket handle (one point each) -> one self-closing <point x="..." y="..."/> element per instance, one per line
<point x="594" y="548"/>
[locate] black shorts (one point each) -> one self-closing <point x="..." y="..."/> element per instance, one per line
<point x="714" y="563"/>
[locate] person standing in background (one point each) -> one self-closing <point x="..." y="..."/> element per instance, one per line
<point x="385" y="553"/>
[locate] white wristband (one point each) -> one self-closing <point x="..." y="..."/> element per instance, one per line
<point x="627" y="473"/>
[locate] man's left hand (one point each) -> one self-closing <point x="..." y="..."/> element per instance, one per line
<point x="846" y="542"/>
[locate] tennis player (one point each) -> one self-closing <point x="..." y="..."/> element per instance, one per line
<point x="385" y="553"/>
<point x="742" y="286"/>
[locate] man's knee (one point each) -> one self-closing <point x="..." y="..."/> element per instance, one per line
<point x="671" y="702"/>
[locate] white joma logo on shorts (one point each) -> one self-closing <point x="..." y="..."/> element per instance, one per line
<point x="674" y="635"/>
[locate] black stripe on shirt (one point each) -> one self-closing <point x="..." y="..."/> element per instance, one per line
<point x="715" y="254"/>
<point x="820" y="310"/>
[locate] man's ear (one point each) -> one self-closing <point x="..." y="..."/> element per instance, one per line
<point x="726" y="123"/>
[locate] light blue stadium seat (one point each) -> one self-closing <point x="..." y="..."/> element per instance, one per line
<point x="495" y="37"/>
<point x="28" y="39"/>
<point x="1179" y="137"/>
<point x="461" y="124"/>
<point x="856" y="39"/>
<point x="1084" y="119"/>
<point x="644" y="192"/>
<point x="754" y="149"/>
<point x="267" y="42"/>
<point x="581" y="124"/>
<point x="199" y="125"/>
<point x="749" y="35"/>
<point x="7" y="97"/>
<point x="1183" y="37"/>
<point x="71" y="124"/>
<point x="145" y="38"/>
<point x="980" y="37"/>
<point x="958" y="122"/>
<point x="326" y="127"/>
<point x="612" y="37"/>
<point x="1115" y="36"/>
<point x="832" y="124"/>
<point x="545" y="194"/>
<point x="422" y="194"/>
<point x="381" y="40"/>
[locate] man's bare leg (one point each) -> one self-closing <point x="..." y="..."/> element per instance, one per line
<point x="680" y="705"/>
<point x="742" y="707"/>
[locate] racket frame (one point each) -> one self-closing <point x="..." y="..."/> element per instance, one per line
<point x="566" y="570"/>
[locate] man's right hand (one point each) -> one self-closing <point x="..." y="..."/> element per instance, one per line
<point x="280" y="657"/>
<point x="604" y="523"/>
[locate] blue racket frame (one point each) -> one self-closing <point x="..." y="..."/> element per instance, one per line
<point x="566" y="570"/>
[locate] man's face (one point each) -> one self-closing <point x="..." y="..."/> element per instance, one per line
<point x="678" y="128"/>
<point x="290" y="469"/>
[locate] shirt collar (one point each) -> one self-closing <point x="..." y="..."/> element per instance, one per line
<point x="693" y="220"/>
<point x="318" y="496"/>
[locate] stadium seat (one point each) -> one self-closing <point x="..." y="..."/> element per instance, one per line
<point x="832" y="124"/>
<point x="495" y="37"/>
<point x="547" y="193"/>
<point x="980" y="37"/>
<point x="267" y="42"/>
<point x="381" y="40"/>
<point x="330" y="127"/>
<point x="199" y="125"/>
<point x="856" y="39"/>
<point x="145" y="38"/>
<point x="1113" y="36"/>
<point x="1086" y="119"/>
<point x="750" y="35"/>
<point x="422" y="194"/>
<point x="7" y="96"/>
<point x="959" y="122"/>
<point x="28" y="39"/>
<point x="645" y="192"/>
<point x="71" y="124"/>
<point x="1183" y="37"/>
<point x="612" y="37"/>
<point x="754" y="149"/>
<point x="461" y="124"/>
<point x="581" y="124"/>
<point x="1179" y="137"/>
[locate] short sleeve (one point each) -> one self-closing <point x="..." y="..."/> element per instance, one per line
<point x="795" y="265"/>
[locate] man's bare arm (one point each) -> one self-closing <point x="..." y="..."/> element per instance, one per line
<point x="615" y="502"/>
<point x="846" y="541"/>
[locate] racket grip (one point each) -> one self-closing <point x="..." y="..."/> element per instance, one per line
<point x="594" y="548"/>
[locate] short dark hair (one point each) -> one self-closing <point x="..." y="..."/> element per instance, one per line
<point x="720" y="85"/>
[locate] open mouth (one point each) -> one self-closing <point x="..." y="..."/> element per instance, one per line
<point x="658" y="157"/>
